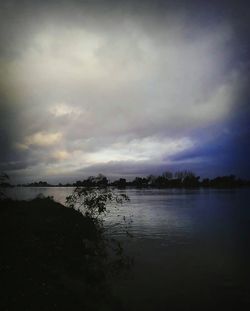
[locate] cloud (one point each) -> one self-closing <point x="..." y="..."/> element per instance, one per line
<point x="83" y="86"/>
<point x="62" y="109"/>
<point x="41" y="139"/>
<point x="146" y="149"/>
<point x="61" y="155"/>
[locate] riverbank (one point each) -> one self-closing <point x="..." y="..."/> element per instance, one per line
<point x="53" y="258"/>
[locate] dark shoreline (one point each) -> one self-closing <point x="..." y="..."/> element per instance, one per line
<point x="52" y="258"/>
<point x="184" y="180"/>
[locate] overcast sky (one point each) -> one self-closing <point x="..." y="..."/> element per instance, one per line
<point x="129" y="89"/>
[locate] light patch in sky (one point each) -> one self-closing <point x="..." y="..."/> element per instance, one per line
<point x="146" y="149"/>
<point x="61" y="155"/>
<point x="42" y="139"/>
<point x="62" y="109"/>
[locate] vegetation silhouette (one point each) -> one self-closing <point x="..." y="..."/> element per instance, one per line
<point x="179" y="179"/>
<point x="4" y="183"/>
<point x="59" y="258"/>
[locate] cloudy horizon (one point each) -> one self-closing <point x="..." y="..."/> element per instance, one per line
<point x="124" y="90"/>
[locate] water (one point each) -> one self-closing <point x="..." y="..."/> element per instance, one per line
<point x="191" y="247"/>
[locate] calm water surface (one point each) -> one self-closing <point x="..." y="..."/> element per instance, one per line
<point x="191" y="247"/>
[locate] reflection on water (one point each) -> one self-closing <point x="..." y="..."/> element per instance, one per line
<point x="28" y="193"/>
<point x="191" y="247"/>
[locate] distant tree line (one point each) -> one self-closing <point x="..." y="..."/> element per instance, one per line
<point x="179" y="179"/>
<point x="37" y="184"/>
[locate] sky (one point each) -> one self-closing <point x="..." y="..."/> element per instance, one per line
<point x="123" y="88"/>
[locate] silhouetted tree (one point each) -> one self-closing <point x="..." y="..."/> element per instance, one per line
<point x="184" y="174"/>
<point x="101" y="181"/>
<point x="160" y="182"/>
<point x="224" y="182"/>
<point x="140" y="182"/>
<point x="120" y="183"/>
<point x="151" y="180"/>
<point x="167" y="175"/>
<point x="4" y="178"/>
<point x="191" y="181"/>
<point x="205" y="182"/>
<point x="94" y="203"/>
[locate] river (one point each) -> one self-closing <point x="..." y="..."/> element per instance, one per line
<point x="191" y="247"/>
